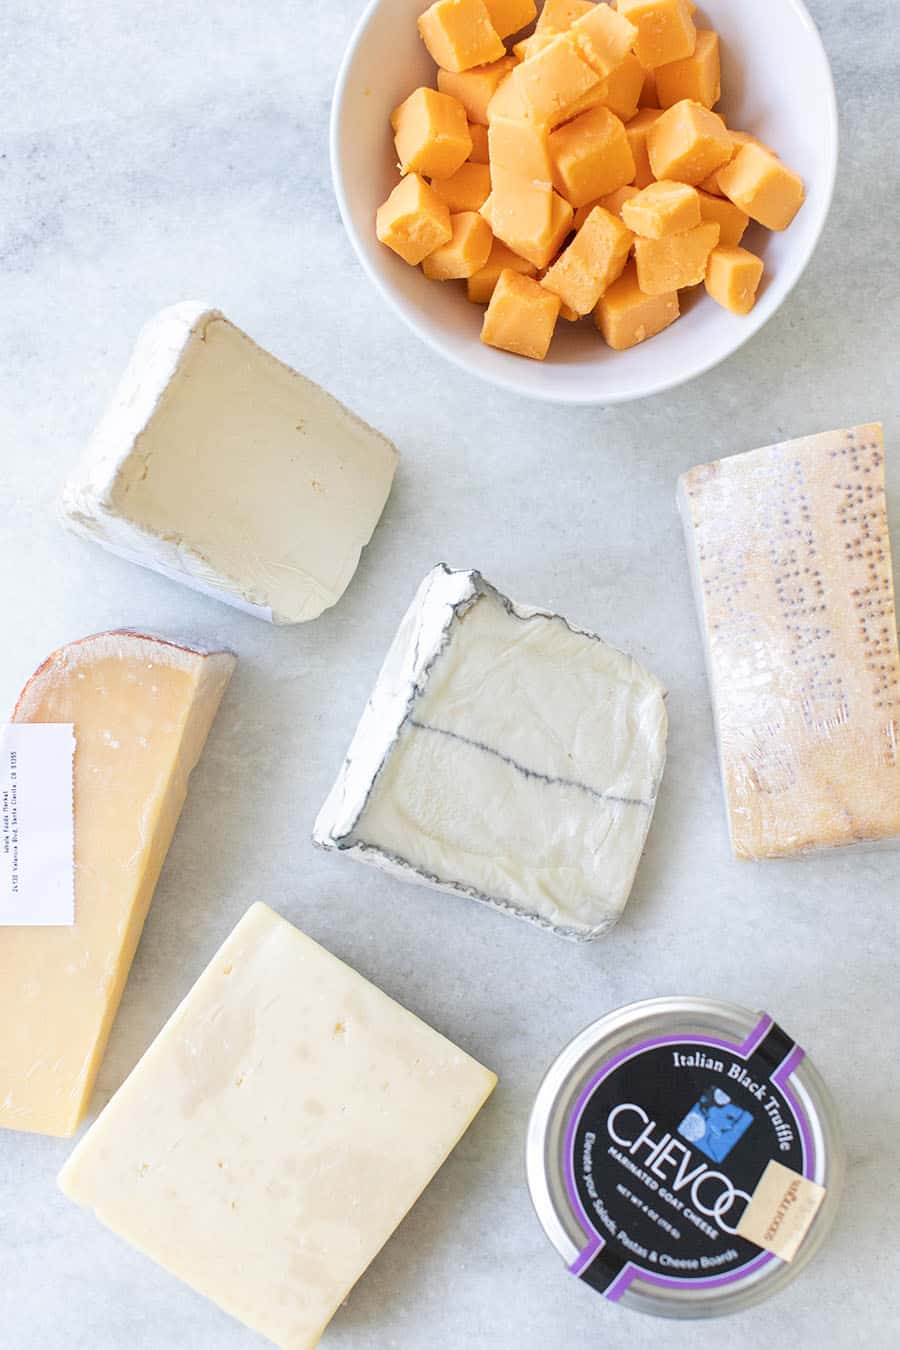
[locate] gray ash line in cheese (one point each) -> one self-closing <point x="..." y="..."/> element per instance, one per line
<point x="480" y="704"/>
<point x="479" y="587"/>
<point x="524" y="769"/>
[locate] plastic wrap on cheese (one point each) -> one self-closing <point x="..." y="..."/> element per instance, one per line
<point x="506" y="756"/>
<point x="791" y="560"/>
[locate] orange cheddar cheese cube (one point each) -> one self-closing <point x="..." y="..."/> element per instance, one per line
<point x="603" y="38"/>
<point x="431" y="134"/>
<point x="459" y="34"/>
<point x="738" y="140"/>
<point x="732" y="278"/>
<point x="662" y="208"/>
<point x="592" y="99"/>
<point x="507" y="102"/>
<point x="510" y="16"/>
<point x="558" y="15"/>
<point x="591" y="156"/>
<point x="626" y="316"/>
<point x="467" y="190"/>
<point x="565" y="311"/>
<point x="595" y="259"/>
<point x="479" y="134"/>
<point x="529" y="217"/>
<point x="665" y="30"/>
<point x="687" y="143"/>
<point x="530" y="46"/>
<point x="612" y="202"/>
<point x="475" y="88"/>
<point x="637" y="131"/>
<point x="465" y="252"/>
<point x="519" y="210"/>
<point x="678" y="260"/>
<point x="648" y="96"/>
<point x="521" y="146"/>
<point x="553" y="80"/>
<point x="561" y="216"/>
<point x="480" y="286"/>
<point x="696" y="77"/>
<point x="521" y="316"/>
<point x="758" y="183"/>
<point x="622" y="90"/>
<point x="413" y="221"/>
<point x="731" y="220"/>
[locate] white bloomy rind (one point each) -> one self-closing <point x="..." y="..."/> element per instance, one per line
<point x="220" y="467"/>
<point x="562" y="736"/>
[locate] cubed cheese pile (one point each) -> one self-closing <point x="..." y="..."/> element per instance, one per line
<point x="582" y="172"/>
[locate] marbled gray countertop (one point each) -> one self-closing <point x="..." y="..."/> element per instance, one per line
<point x="151" y="153"/>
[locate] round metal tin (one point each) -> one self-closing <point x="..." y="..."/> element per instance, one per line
<point x="727" y="1036"/>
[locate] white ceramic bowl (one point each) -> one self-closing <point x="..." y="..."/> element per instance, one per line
<point x="777" y="84"/>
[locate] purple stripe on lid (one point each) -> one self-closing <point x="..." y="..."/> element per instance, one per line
<point x="585" y="1257"/>
<point x="780" y="1078"/>
<point x="621" y="1282"/>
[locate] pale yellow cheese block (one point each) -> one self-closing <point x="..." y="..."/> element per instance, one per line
<point x="141" y="708"/>
<point x="276" y="1132"/>
<point x="792" y="565"/>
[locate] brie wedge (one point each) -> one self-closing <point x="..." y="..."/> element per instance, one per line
<point x="224" y="469"/>
<point x="506" y="756"/>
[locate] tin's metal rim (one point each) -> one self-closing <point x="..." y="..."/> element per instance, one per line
<point x="559" y="1091"/>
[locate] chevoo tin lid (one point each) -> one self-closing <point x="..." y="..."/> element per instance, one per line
<point x="683" y="1157"/>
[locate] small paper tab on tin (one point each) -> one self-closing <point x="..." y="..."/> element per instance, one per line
<point x="781" y="1211"/>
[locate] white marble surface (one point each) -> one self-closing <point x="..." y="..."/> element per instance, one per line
<point x="150" y="153"/>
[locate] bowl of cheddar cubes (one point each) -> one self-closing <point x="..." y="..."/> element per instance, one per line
<point x="585" y="202"/>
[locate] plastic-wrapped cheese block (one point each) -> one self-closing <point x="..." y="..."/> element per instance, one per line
<point x="141" y="709"/>
<point x="506" y="756"/>
<point x="276" y="1131"/>
<point x="791" y="559"/>
<point x="220" y="467"/>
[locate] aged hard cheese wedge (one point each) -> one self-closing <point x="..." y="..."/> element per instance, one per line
<point x="792" y="565"/>
<point x="141" y="709"/>
<point x="276" y="1131"/>
<point x="506" y="756"/>
<point x="224" y="469"/>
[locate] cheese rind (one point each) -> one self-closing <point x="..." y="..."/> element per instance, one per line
<point x="222" y="468"/>
<point x="141" y="708"/>
<point x="791" y="559"/>
<point x="277" y="1130"/>
<point x="506" y="756"/>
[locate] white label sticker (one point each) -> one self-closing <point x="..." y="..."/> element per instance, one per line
<point x="37" y="829"/>
<point x="781" y="1210"/>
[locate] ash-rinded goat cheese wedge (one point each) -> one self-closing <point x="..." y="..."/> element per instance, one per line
<point x="276" y="1132"/>
<point x="506" y="756"/>
<point x="220" y="467"/>
<point x="791" y="561"/>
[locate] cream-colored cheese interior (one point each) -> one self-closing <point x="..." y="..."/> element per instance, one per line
<point x="527" y="770"/>
<point x="267" y="483"/>
<point x="141" y="709"/>
<point x="276" y="1131"/>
